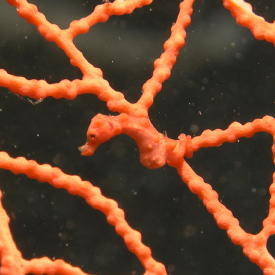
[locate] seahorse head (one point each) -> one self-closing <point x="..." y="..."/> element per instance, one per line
<point x="100" y="130"/>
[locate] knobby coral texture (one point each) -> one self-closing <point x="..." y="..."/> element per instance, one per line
<point x="175" y="174"/>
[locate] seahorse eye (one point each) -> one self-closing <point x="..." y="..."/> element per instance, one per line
<point x="92" y="137"/>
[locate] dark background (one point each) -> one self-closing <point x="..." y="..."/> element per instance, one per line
<point x="223" y="75"/>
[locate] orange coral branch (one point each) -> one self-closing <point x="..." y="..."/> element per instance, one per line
<point x="75" y="186"/>
<point x="156" y="149"/>
<point x="244" y="15"/>
<point x="102" y="14"/>
<point x="164" y="64"/>
<point x="254" y="246"/>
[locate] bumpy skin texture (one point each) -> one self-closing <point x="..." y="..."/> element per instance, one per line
<point x="155" y="148"/>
